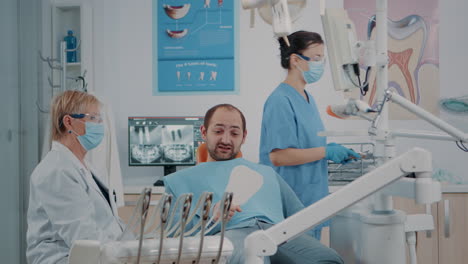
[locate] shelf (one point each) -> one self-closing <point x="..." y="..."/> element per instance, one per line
<point x="74" y="64"/>
<point x="66" y="8"/>
<point x="75" y="15"/>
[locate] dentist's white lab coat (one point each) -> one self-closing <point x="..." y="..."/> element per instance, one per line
<point x="66" y="204"/>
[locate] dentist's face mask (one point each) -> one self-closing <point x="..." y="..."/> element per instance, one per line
<point x="94" y="132"/>
<point x="316" y="68"/>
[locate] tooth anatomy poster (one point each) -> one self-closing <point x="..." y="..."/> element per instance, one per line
<point x="413" y="50"/>
<point x="194" y="47"/>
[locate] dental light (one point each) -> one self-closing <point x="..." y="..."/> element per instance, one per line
<point x="278" y="13"/>
<point x="343" y="48"/>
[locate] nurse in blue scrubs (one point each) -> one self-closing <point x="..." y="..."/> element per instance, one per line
<point x="289" y="142"/>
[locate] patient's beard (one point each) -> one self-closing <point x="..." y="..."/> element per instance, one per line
<point x="216" y="155"/>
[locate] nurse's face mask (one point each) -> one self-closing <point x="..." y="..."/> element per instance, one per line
<point x="316" y="68"/>
<point x="94" y="130"/>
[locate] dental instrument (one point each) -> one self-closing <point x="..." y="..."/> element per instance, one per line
<point x="165" y="250"/>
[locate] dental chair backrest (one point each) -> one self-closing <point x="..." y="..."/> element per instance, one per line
<point x="202" y="153"/>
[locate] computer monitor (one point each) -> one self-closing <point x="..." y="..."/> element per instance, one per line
<point x="163" y="141"/>
<point x="341" y="41"/>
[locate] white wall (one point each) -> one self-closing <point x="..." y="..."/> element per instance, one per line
<point x="10" y="223"/>
<point x="19" y="71"/>
<point x="123" y="76"/>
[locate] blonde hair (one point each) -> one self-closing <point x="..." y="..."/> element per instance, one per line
<point x="68" y="102"/>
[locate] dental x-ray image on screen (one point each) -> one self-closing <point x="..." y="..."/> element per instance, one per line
<point x="144" y="144"/>
<point x="177" y="143"/>
<point x="163" y="141"/>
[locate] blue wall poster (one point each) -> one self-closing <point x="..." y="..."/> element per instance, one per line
<point x="194" y="46"/>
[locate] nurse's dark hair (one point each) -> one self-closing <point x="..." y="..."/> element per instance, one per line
<point x="66" y="103"/>
<point x="209" y="114"/>
<point x="299" y="41"/>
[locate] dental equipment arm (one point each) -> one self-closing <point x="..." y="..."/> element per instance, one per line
<point x="265" y="242"/>
<point x="452" y="132"/>
<point x="281" y="19"/>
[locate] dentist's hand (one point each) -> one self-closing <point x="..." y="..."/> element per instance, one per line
<point x="216" y="210"/>
<point x="339" y="154"/>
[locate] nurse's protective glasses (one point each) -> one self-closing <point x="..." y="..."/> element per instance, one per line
<point x="315" y="58"/>
<point x="92" y="117"/>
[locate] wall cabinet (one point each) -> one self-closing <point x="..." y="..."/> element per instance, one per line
<point x="75" y="16"/>
<point x="60" y="16"/>
<point x="448" y="242"/>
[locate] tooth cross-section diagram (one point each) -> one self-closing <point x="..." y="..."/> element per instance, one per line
<point x="413" y="51"/>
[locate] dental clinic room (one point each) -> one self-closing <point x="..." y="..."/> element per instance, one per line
<point x="225" y="131"/>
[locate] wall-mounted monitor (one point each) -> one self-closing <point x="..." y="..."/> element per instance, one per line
<point x="341" y="42"/>
<point x="163" y="141"/>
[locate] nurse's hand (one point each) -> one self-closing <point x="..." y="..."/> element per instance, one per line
<point x="339" y="154"/>
<point x="234" y="208"/>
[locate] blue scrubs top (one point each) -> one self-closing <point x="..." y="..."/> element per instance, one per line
<point x="289" y="121"/>
<point x="272" y="203"/>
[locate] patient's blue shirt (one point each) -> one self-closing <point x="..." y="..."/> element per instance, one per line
<point x="272" y="203"/>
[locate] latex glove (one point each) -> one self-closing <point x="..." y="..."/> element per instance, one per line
<point x="339" y="154"/>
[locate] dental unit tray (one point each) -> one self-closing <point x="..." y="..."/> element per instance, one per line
<point x="120" y="252"/>
<point x="159" y="236"/>
<point x="342" y="174"/>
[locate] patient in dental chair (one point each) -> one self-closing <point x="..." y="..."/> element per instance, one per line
<point x="261" y="197"/>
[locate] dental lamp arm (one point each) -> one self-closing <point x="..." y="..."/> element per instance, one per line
<point x="265" y="242"/>
<point x="421" y="134"/>
<point x="281" y="19"/>
<point x="454" y="133"/>
<point x="422" y="190"/>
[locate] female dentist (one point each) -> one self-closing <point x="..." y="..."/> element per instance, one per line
<point x="67" y="201"/>
<point x="289" y="142"/>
